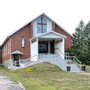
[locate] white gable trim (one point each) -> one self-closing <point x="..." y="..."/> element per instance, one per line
<point x="43" y="14"/>
<point x="17" y="52"/>
<point x="52" y="34"/>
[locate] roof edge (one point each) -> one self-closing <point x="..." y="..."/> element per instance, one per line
<point x="54" y="33"/>
<point x="30" y="22"/>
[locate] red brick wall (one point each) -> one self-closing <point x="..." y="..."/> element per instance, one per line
<point x="67" y="40"/>
<point x="6" y="50"/>
<point x="31" y="29"/>
<point x="14" y="43"/>
<point x="3" y="53"/>
<point x="0" y="56"/>
<point x="16" y="38"/>
<point x="53" y="26"/>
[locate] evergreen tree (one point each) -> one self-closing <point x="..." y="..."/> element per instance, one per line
<point x="81" y="43"/>
<point x="78" y="43"/>
<point x="87" y="43"/>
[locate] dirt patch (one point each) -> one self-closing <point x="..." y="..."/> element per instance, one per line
<point x="6" y="84"/>
<point x="85" y="73"/>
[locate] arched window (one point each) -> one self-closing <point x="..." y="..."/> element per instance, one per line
<point x="41" y="25"/>
<point x="23" y="42"/>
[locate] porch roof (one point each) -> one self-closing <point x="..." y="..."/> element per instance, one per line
<point x="52" y="35"/>
<point x="17" y="52"/>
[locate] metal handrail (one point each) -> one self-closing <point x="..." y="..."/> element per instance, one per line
<point x="70" y="58"/>
<point x="73" y="58"/>
<point x="78" y="62"/>
<point x="77" y="59"/>
<point x="60" y="51"/>
<point x="27" y="61"/>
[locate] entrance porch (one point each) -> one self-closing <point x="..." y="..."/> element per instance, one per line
<point x="49" y="43"/>
<point x="46" y="47"/>
<point x="16" y="57"/>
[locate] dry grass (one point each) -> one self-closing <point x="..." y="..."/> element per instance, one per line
<point x="48" y="77"/>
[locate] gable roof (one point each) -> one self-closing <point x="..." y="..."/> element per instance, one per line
<point x="43" y="14"/>
<point x="16" y="52"/>
<point x="51" y="34"/>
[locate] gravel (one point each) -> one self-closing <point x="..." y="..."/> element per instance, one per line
<point x="6" y="84"/>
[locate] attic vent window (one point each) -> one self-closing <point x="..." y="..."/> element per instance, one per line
<point x="41" y="25"/>
<point x="23" y="42"/>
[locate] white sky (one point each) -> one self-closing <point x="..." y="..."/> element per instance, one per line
<point x="67" y="13"/>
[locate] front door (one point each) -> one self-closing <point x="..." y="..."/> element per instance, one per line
<point x="52" y="47"/>
<point x="43" y="47"/>
<point x="16" y="59"/>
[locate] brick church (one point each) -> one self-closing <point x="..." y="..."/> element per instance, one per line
<point x="41" y="35"/>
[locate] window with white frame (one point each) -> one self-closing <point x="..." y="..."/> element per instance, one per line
<point x="41" y="25"/>
<point x="23" y="42"/>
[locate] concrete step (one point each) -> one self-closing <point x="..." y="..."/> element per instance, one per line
<point x="57" y="60"/>
<point x="75" y="68"/>
<point x="53" y="59"/>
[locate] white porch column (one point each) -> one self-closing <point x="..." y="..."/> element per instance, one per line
<point x="63" y="47"/>
<point x="37" y="49"/>
<point x="48" y="46"/>
<point x="34" y="49"/>
<point x="60" y="48"/>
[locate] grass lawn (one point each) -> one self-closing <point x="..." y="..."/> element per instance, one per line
<point x="48" y="77"/>
<point x="88" y="69"/>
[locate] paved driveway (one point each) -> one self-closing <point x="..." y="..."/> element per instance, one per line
<point x="6" y="84"/>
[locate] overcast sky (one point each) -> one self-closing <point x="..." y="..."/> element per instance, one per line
<point x="67" y="13"/>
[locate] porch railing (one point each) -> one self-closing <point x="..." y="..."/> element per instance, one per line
<point x="73" y="60"/>
<point x="60" y="51"/>
<point x="24" y="62"/>
<point x="70" y="59"/>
